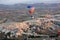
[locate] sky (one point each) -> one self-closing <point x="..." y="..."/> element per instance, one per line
<point x="28" y="1"/>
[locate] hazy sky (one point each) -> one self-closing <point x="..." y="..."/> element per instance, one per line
<point x="28" y="1"/>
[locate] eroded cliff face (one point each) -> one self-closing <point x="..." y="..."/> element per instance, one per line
<point x="40" y="26"/>
<point x="13" y="25"/>
<point x="19" y="25"/>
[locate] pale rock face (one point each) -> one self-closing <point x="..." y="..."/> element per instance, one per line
<point x="14" y="25"/>
<point x="34" y="22"/>
<point x="20" y="25"/>
<point x="19" y="32"/>
<point x="38" y="22"/>
<point x="24" y="26"/>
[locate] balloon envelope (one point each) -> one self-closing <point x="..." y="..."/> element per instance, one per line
<point x="31" y="10"/>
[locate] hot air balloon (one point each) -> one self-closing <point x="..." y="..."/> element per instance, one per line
<point x="31" y="9"/>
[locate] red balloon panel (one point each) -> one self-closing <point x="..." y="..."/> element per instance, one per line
<point x="31" y="10"/>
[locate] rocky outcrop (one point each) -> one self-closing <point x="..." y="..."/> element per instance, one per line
<point x="3" y="21"/>
<point x="36" y="25"/>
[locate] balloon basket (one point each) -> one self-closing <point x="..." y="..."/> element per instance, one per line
<point x="32" y="17"/>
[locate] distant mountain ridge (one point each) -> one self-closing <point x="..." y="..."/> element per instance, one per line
<point x="37" y="6"/>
